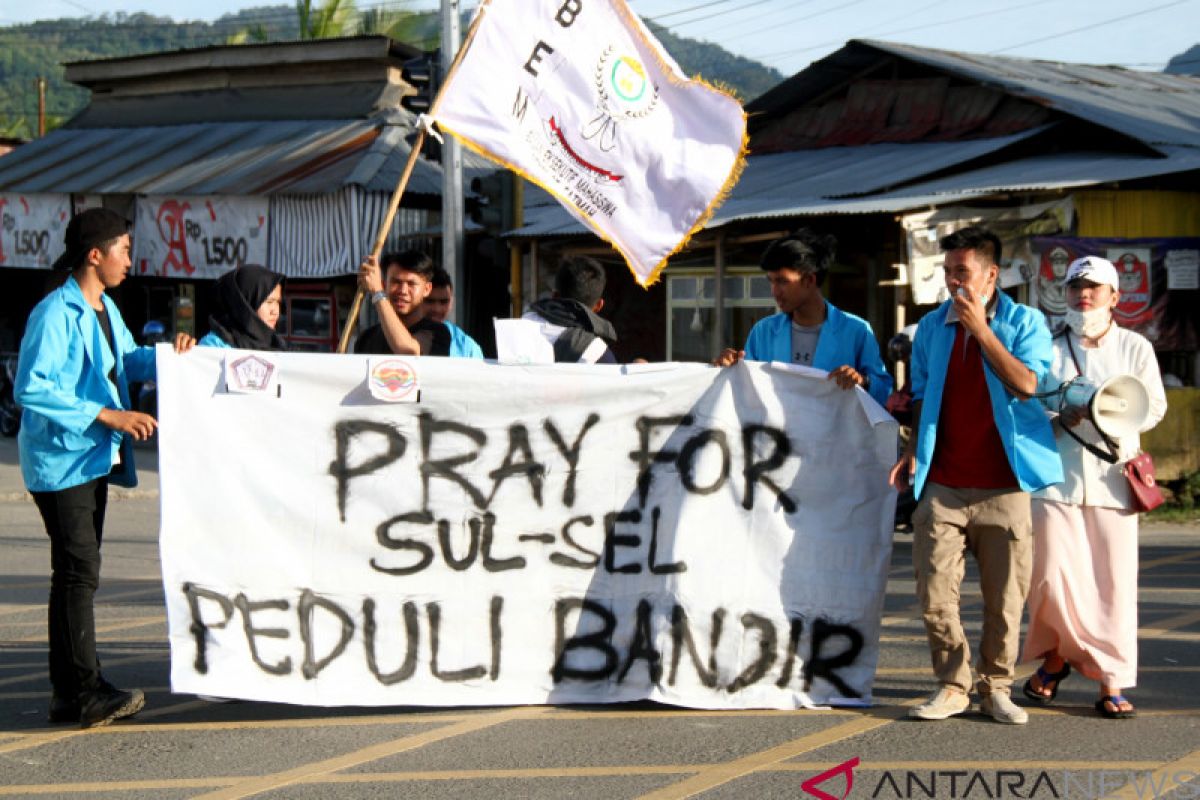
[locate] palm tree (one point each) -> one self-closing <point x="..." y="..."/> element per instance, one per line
<point x="330" y="18"/>
<point x="399" y="24"/>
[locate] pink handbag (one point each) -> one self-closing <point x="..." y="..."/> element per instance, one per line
<point x="1139" y="470"/>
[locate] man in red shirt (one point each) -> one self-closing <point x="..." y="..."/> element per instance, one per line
<point x="979" y="446"/>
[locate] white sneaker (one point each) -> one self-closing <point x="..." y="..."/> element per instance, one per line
<point x="943" y="703"/>
<point x="1001" y="708"/>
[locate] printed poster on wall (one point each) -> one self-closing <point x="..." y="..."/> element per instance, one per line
<point x="32" y="228"/>
<point x="1015" y="226"/>
<point x="523" y="534"/>
<point x="1149" y="304"/>
<point x="198" y="236"/>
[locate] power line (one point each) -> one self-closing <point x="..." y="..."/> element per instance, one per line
<point x="721" y="13"/>
<point x="841" y="7"/>
<point x="752" y="19"/>
<point x="922" y="27"/>
<point x="689" y="8"/>
<point x="1089" y="27"/>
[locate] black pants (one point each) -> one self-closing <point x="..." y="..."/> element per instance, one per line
<point x="74" y="520"/>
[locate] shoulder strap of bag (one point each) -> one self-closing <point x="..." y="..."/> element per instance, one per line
<point x="1111" y="456"/>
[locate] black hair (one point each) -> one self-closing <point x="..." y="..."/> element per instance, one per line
<point x="803" y="250"/>
<point x="410" y="261"/>
<point x="977" y="238"/>
<point x="441" y="279"/>
<point x="580" y="278"/>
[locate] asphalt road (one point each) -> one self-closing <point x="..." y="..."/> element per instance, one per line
<point x="183" y="747"/>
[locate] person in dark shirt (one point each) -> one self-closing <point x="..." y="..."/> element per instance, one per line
<point x="570" y="319"/>
<point x="397" y="292"/>
<point x="77" y="427"/>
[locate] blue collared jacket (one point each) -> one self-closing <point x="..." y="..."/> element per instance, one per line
<point x="845" y="339"/>
<point x="461" y="344"/>
<point x="1023" y="425"/>
<point x="62" y="384"/>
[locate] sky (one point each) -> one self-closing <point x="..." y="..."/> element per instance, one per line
<point x="789" y="34"/>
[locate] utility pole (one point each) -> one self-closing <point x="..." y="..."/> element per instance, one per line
<point x="40" y="82"/>
<point x="452" y="184"/>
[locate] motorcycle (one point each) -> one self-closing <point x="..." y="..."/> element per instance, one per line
<point x="146" y="396"/>
<point x="10" y="412"/>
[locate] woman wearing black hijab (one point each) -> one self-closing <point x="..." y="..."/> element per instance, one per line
<point x="248" y="302"/>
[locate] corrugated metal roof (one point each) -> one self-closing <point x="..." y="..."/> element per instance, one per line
<point x="1153" y="107"/>
<point x="1036" y="173"/>
<point x="805" y="178"/>
<point x="241" y="158"/>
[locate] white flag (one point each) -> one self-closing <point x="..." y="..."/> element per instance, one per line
<point x="578" y="97"/>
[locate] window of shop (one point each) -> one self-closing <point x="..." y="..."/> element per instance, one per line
<point x="308" y="320"/>
<point x="691" y="311"/>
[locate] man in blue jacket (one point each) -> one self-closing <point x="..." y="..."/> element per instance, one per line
<point x="980" y="445"/>
<point x="438" y="306"/>
<point x="808" y="329"/>
<point x="76" y="431"/>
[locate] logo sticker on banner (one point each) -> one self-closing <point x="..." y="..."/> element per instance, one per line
<point x="570" y="534"/>
<point x="393" y="380"/>
<point x="249" y="373"/>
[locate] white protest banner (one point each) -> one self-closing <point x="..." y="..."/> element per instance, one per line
<point x="714" y="538"/>
<point x="580" y="99"/>
<point x="32" y="228"/>
<point x="198" y="236"/>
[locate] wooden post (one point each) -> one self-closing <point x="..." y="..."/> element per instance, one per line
<point x="381" y="237"/>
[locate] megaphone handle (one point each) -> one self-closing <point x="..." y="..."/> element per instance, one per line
<point x="1112" y="456"/>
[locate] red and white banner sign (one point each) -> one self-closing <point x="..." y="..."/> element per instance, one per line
<point x="32" y="228"/>
<point x="198" y="236"/>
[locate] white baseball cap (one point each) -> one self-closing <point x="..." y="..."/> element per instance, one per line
<point x="1095" y="270"/>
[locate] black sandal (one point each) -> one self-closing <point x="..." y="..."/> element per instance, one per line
<point x="1046" y="678"/>
<point x="1115" y="712"/>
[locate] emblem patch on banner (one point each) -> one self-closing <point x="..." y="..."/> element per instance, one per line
<point x="393" y="380"/>
<point x="249" y="374"/>
<point x="1133" y="272"/>
<point x="623" y="92"/>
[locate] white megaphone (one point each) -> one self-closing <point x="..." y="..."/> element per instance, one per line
<point x="1118" y="407"/>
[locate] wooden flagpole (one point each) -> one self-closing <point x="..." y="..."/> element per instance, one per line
<point x="381" y="237"/>
<point x="394" y="205"/>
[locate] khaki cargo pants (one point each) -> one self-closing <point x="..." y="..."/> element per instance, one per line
<point x="994" y="525"/>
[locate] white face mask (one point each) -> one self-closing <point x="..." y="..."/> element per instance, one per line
<point x="1090" y="323"/>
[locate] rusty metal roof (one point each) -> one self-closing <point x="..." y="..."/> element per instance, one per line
<point x="1153" y="108"/>
<point x="243" y="158"/>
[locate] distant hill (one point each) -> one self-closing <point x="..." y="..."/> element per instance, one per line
<point x="40" y="49"/>
<point x="1186" y="63"/>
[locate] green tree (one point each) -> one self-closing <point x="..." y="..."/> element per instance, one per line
<point x="328" y="19"/>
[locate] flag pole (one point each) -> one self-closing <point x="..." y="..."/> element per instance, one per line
<point x="381" y="237"/>
<point x="394" y="205"/>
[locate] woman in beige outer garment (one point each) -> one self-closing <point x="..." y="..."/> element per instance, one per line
<point x="1083" y="595"/>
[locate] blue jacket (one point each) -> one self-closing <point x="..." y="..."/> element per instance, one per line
<point x="462" y="345"/>
<point x="845" y="339"/>
<point x="62" y="384"/>
<point x="211" y="339"/>
<point x="1023" y="425"/>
